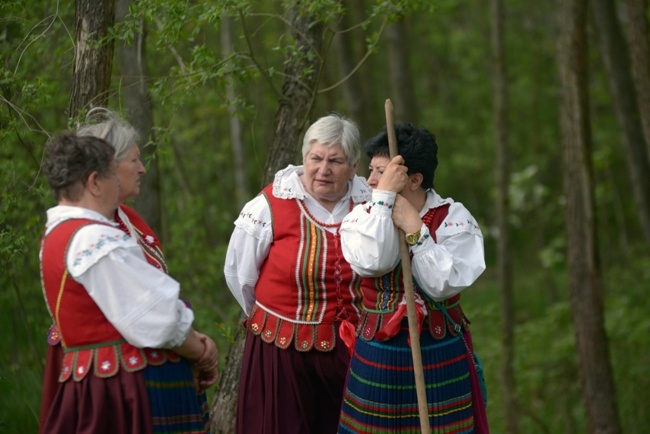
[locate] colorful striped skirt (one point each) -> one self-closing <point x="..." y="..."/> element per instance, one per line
<point x="175" y="405"/>
<point x="381" y="397"/>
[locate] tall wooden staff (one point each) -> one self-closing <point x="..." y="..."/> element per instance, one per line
<point x="414" y="332"/>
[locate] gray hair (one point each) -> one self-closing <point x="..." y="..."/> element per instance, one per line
<point x="108" y="125"/>
<point x="333" y="130"/>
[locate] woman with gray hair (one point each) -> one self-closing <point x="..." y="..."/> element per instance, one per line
<point x="285" y="267"/>
<point x="170" y="381"/>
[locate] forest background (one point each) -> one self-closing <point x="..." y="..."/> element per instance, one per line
<point x="484" y="76"/>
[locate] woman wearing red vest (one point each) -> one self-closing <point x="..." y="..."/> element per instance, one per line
<point x="173" y="402"/>
<point x="285" y="268"/>
<point x="446" y="248"/>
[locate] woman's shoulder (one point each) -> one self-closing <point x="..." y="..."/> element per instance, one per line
<point x="459" y="219"/>
<point x="256" y="214"/>
<point x="92" y="242"/>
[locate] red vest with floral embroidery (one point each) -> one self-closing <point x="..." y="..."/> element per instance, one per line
<point x="89" y="339"/>
<point x="305" y="285"/>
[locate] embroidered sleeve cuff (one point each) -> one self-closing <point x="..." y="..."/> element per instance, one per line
<point x="383" y="202"/>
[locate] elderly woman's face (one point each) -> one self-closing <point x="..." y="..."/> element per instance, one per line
<point x="327" y="173"/>
<point x="129" y="170"/>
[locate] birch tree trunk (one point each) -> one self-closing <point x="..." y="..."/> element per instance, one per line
<point x="302" y="74"/>
<point x="585" y="283"/>
<point x="242" y="192"/>
<point x="93" y="61"/>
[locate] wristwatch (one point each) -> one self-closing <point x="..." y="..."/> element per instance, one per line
<point x="412" y="239"/>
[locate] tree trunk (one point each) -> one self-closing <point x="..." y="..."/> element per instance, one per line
<point x="93" y="61"/>
<point x="500" y="101"/>
<point x="139" y="112"/>
<point x="292" y="116"/>
<point x="401" y="79"/>
<point x="297" y="96"/>
<point x="585" y="285"/>
<point x="617" y="61"/>
<point x="348" y="54"/>
<point x="637" y="18"/>
<point x="242" y="192"/>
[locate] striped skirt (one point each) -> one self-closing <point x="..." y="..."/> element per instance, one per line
<point x="380" y="394"/>
<point x="175" y="405"/>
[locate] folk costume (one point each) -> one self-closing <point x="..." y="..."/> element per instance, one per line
<point x="380" y="394"/>
<point x="93" y="270"/>
<point x="285" y="267"/>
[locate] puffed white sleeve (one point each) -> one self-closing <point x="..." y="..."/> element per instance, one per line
<point x="445" y="268"/>
<point x="138" y="299"/>
<point x="369" y="238"/>
<point x="247" y="250"/>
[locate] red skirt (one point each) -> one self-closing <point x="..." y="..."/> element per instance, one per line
<point x="95" y="405"/>
<point x="290" y="392"/>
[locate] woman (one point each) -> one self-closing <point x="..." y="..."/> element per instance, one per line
<point x="175" y="404"/>
<point x="285" y="268"/>
<point x="446" y="248"/>
<point x="106" y="300"/>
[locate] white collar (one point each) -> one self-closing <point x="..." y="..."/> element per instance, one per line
<point x="61" y="213"/>
<point x="287" y="185"/>
<point x="434" y="200"/>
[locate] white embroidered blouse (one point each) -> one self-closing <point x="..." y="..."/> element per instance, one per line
<point x="370" y="244"/>
<point x="138" y="299"/>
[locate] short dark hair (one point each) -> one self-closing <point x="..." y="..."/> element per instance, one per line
<point x="71" y="159"/>
<point x="416" y="145"/>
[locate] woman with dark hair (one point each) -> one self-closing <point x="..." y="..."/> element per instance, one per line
<point x="175" y="404"/>
<point x="446" y="248"/>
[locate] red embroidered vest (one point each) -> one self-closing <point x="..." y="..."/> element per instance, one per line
<point x="305" y="285"/>
<point x="88" y="338"/>
<point x="381" y="295"/>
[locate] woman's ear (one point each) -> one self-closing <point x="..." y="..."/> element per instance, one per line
<point x="92" y="183"/>
<point x="415" y="181"/>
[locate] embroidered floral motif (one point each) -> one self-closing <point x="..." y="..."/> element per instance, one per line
<point x="422" y="239"/>
<point x="382" y="203"/>
<point x="255" y="327"/>
<point x="462" y="224"/>
<point x="106" y="365"/>
<point x="149" y="239"/>
<point x="324" y="344"/>
<point x="248" y="216"/>
<point x="133" y="360"/>
<point x="93" y="248"/>
<point x="80" y="370"/>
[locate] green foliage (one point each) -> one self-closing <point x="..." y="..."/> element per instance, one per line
<point x="450" y="48"/>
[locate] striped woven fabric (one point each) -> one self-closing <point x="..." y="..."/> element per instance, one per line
<point x="175" y="406"/>
<point x="381" y="396"/>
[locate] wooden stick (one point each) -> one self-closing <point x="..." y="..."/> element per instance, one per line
<point x="414" y="332"/>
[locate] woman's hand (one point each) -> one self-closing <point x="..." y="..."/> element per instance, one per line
<point x="205" y="368"/>
<point x="405" y="216"/>
<point x="395" y="176"/>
